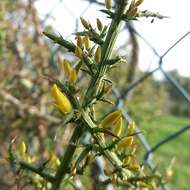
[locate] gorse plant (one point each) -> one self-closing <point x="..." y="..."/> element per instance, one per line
<point x="108" y="138"/>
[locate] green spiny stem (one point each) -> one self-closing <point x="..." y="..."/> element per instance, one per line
<point x="37" y="170"/>
<point x="96" y="39"/>
<point x="41" y="172"/>
<point x="145" y="13"/>
<point x="67" y="158"/>
<point x="113" y="32"/>
<point x="144" y="178"/>
<point x="70" y="47"/>
<point x="108" y="45"/>
<point x="59" y="40"/>
<point x="111" y="156"/>
<point x="106" y="53"/>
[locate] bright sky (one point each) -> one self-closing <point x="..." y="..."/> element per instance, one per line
<point x="161" y="34"/>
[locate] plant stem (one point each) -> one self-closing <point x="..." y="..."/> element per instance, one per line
<point x="37" y="170"/>
<point x="108" y="45"/>
<point x="106" y="53"/>
<point x="63" y="168"/>
<point x="111" y="156"/>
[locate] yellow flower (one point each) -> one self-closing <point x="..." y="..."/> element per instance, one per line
<point x="125" y="142"/>
<point x="134" y="165"/>
<point x="67" y="67"/>
<point x="54" y="161"/>
<point x="87" y="42"/>
<point x="78" y="52"/>
<point x="71" y="73"/>
<point x="111" y="119"/>
<point x="72" y="76"/>
<point x="22" y="149"/>
<point x="118" y="127"/>
<point x="79" y="41"/>
<point x="131" y="128"/>
<point x="61" y="101"/>
<point x="30" y="159"/>
<point x="98" y="54"/>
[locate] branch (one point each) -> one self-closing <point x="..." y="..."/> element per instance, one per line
<point x="37" y="170"/>
<point x="32" y="110"/>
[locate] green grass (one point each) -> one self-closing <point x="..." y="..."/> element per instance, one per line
<point x="155" y="130"/>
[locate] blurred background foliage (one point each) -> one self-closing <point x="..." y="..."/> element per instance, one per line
<point x="28" y="60"/>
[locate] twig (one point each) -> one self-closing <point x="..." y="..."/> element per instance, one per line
<point x="32" y="110"/>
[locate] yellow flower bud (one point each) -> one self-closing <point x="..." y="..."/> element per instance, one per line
<point x="28" y="159"/>
<point x="67" y="67"/>
<point x="87" y="42"/>
<point x="111" y="119"/>
<point x="53" y="161"/>
<point x="85" y="23"/>
<point x="134" y="165"/>
<point x="98" y="54"/>
<point x="118" y="127"/>
<point x="78" y="52"/>
<point x="108" y="4"/>
<point x="74" y="171"/>
<point x="131" y="128"/>
<point x="61" y="101"/>
<point x="57" y="161"/>
<point x="22" y="149"/>
<point x="72" y="76"/>
<point x="79" y="41"/>
<point x="99" y="24"/>
<point x="125" y="142"/>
